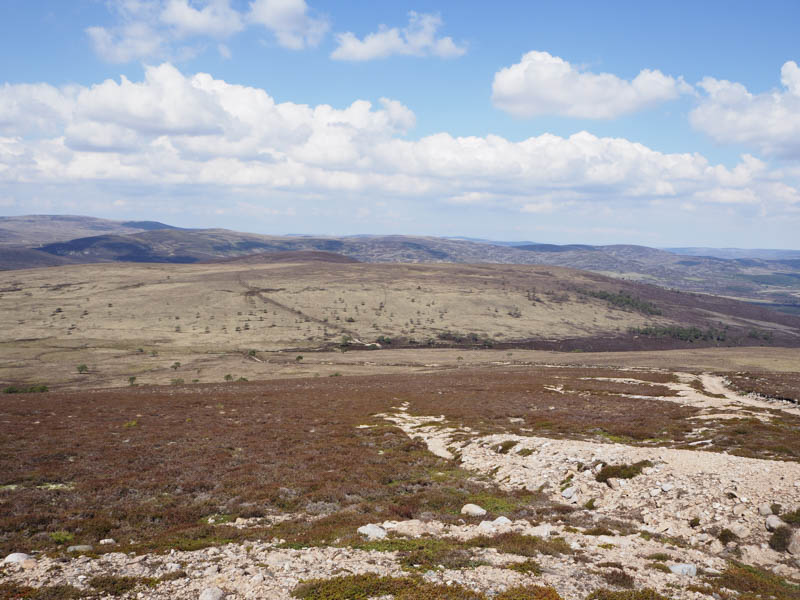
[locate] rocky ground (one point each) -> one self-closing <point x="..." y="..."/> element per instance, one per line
<point x="670" y="520"/>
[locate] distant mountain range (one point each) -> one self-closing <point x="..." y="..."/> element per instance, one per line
<point x="769" y="276"/>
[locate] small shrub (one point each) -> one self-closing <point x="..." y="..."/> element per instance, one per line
<point x="175" y="366"/>
<point x="117" y="586"/>
<point x="622" y="471"/>
<point x="528" y="567"/>
<point x="529" y="592"/>
<point x="780" y="539"/>
<point x="504" y="447"/>
<point x="726" y="536"/>
<point x="645" y="594"/>
<point x="793" y="518"/>
<point x="33" y="389"/>
<point x="61" y="537"/>
<point x="83" y="369"/>
<point x="618" y="578"/>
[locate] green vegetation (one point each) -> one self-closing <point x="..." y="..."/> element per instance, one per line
<point x="624" y="300"/>
<point x="33" y="389"/>
<point x="622" y="471"/>
<point x="118" y="586"/>
<point x="676" y="332"/>
<point x="360" y="587"/>
<point x="528" y="567"/>
<point x="751" y="583"/>
<point x="529" y="592"/>
<point x="780" y="539"/>
<point x="14" y="591"/>
<point x="504" y="447"/>
<point x="645" y="594"/>
<point x="82" y="368"/>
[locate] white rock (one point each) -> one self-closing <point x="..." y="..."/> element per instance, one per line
<point x="686" y="569"/>
<point x="80" y="548"/>
<point x="739" y="509"/>
<point x="569" y="492"/>
<point x="794" y="543"/>
<point x="16" y="558"/>
<point x="773" y="522"/>
<point x="212" y="593"/>
<point x="655" y="492"/>
<point x="739" y="530"/>
<point x="472" y="510"/>
<point x="502" y="521"/>
<point x="544" y="530"/>
<point x="108" y="542"/>
<point x="487" y="526"/>
<point x="764" y="509"/>
<point x="667" y="487"/>
<point x="372" y="531"/>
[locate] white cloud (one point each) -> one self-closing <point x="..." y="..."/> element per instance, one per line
<point x="542" y="84"/>
<point x="215" y="19"/>
<point x="769" y="121"/>
<point x="290" y="21"/>
<point x="159" y="29"/>
<point x="417" y="39"/>
<point x="127" y="42"/>
<point x="194" y="130"/>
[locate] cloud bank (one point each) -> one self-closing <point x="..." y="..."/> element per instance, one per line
<point x="189" y="130"/>
<point x="543" y="84"/>
<point x="769" y="121"/>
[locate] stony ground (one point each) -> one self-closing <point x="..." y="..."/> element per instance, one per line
<point x="681" y="520"/>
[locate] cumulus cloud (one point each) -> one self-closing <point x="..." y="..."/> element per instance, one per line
<point x="417" y="39"/>
<point x="770" y="121"/>
<point x="290" y="21"/>
<point x="148" y="29"/>
<point x="543" y="84"/>
<point x="189" y="130"/>
<point x="215" y="19"/>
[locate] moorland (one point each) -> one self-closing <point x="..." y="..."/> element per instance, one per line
<point x="298" y="424"/>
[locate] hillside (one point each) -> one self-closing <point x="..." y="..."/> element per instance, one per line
<point x="119" y="312"/>
<point x="770" y="277"/>
<point x="35" y="230"/>
<point x="776" y="282"/>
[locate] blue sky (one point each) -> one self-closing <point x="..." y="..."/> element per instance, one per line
<point x="559" y="122"/>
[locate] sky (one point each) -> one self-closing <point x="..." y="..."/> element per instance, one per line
<point x="662" y="124"/>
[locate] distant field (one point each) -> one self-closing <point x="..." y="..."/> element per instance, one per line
<point x="161" y="323"/>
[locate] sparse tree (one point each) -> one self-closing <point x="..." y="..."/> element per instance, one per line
<point x="83" y="369"/>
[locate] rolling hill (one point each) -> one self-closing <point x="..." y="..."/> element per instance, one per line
<point x="772" y="281"/>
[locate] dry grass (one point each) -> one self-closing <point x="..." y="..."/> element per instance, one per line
<point x="209" y="317"/>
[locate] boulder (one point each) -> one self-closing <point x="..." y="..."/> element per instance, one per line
<point x="80" y="548"/>
<point x="372" y="531"/>
<point x="570" y="492"/>
<point x="472" y="510"/>
<point x="765" y="509"/>
<point x="794" y="543"/>
<point x="15" y="558"/>
<point x="773" y="522"/>
<point x="685" y="569"/>
<point x="212" y="593"/>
